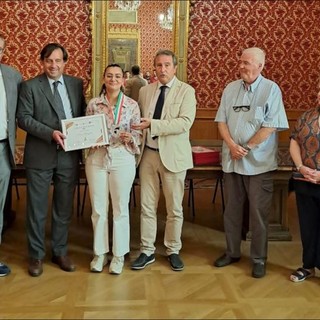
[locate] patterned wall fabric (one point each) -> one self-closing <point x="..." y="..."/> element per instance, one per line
<point x="288" y="30"/>
<point x="28" y="25"/>
<point x="219" y="29"/>
<point x="153" y="37"/>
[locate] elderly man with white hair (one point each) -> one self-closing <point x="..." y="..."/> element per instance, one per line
<point x="250" y="114"/>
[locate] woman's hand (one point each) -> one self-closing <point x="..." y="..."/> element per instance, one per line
<point x="311" y="175"/>
<point x="98" y="147"/>
<point x="125" y="137"/>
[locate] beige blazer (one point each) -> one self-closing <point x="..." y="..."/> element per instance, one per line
<point x="173" y="128"/>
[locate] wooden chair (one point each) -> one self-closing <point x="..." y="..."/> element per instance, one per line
<point x="219" y="182"/>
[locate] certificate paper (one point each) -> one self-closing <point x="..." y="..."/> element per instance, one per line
<point x="84" y="132"/>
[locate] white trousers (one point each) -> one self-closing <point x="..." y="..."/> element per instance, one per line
<point x="115" y="177"/>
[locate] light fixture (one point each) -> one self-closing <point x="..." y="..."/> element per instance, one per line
<point x="127" y="5"/>
<point x="166" y="20"/>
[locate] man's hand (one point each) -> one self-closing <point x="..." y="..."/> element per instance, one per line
<point x="144" y="124"/>
<point x="58" y="137"/>
<point x="238" y="152"/>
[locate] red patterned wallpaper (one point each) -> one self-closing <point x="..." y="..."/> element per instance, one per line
<point x="288" y="30"/>
<point x="29" y="25"/>
<point x="153" y="37"/>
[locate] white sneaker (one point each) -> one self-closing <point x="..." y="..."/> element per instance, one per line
<point x="98" y="263"/>
<point x="116" y="265"/>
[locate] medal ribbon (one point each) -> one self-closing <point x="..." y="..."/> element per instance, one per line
<point x="118" y="109"/>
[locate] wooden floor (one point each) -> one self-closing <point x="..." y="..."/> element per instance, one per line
<point x="201" y="291"/>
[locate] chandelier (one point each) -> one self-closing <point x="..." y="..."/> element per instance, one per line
<point x="127" y="5"/>
<point x="166" y="20"/>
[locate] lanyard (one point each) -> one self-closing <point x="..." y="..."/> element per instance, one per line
<point x="118" y="109"/>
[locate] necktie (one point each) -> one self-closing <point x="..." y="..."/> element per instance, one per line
<point x="159" y="104"/>
<point x="58" y="100"/>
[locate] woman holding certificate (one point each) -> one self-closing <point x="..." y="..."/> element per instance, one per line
<point x="111" y="169"/>
<point x="305" y="153"/>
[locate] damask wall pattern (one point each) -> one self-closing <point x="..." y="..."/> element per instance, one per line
<point x="288" y="30"/>
<point x="29" y="25"/>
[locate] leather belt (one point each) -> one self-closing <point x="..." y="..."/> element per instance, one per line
<point x="153" y="149"/>
<point x="3" y="140"/>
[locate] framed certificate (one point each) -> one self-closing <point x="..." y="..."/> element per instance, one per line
<point x="85" y="132"/>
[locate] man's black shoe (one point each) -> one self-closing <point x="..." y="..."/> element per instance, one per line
<point x="259" y="270"/>
<point x="225" y="260"/>
<point x="175" y="262"/>
<point x="142" y="261"/>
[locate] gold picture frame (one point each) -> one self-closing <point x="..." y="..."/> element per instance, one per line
<point x="101" y="35"/>
<point x="123" y="48"/>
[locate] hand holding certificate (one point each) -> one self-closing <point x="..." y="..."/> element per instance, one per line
<point x="85" y="132"/>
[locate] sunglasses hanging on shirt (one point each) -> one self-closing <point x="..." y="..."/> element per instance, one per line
<point x="241" y="108"/>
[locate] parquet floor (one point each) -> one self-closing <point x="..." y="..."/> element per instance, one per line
<point x="201" y="291"/>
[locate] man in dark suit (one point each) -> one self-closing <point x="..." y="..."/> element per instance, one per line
<point x="43" y="102"/>
<point x="10" y="80"/>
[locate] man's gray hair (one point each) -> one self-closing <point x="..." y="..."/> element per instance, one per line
<point x="165" y="52"/>
<point x="258" y="53"/>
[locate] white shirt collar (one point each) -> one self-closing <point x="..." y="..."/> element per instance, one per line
<point x="169" y="84"/>
<point x="51" y="81"/>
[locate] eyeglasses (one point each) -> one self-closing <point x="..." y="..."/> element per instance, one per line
<point x="242" y="108"/>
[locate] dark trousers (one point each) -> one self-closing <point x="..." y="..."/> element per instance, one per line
<point x="253" y="193"/>
<point x="8" y="215"/>
<point x="38" y="184"/>
<point x="5" y="171"/>
<point x="308" y="204"/>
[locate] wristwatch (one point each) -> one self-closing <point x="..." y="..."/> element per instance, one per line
<point x="245" y="146"/>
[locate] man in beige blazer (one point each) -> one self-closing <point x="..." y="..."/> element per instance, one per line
<point x="166" y="156"/>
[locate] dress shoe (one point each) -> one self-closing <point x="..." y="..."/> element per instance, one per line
<point x="98" y="263"/>
<point x="116" y="265"/>
<point x="175" y="262"/>
<point x="142" y="261"/>
<point x="64" y="262"/>
<point x="35" y="267"/>
<point x="259" y="270"/>
<point x="225" y="260"/>
<point x="4" y="270"/>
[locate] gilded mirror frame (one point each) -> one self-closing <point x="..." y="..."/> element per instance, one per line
<point x="100" y="36"/>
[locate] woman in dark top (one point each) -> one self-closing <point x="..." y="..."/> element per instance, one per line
<point x="305" y="152"/>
